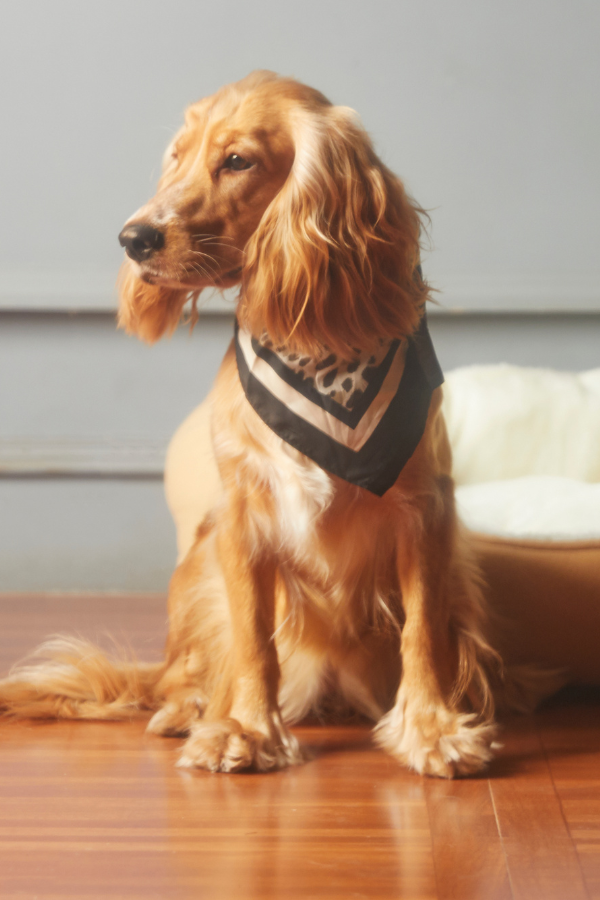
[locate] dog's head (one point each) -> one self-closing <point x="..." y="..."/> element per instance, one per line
<point x="270" y="186"/>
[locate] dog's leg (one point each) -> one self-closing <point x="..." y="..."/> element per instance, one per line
<point x="443" y="654"/>
<point x="242" y="725"/>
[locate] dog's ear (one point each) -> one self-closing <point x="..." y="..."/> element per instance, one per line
<point x="333" y="261"/>
<point x="147" y="310"/>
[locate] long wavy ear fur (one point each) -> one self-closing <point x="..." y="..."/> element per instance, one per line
<point x="333" y="259"/>
<point x="147" y="310"/>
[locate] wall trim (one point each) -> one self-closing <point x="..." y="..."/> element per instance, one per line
<point x="94" y="292"/>
<point x="89" y="458"/>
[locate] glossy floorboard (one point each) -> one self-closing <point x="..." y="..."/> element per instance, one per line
<point x="98" y="810"/>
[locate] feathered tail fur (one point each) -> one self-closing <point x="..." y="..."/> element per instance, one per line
<point x="72" y="679"/>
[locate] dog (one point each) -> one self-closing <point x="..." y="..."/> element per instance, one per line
<point x="318" y="582"/>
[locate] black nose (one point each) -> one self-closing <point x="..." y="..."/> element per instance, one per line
<point x="140" y="241"/>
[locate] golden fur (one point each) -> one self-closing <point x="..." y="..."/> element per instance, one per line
<point x="301" y="589"/>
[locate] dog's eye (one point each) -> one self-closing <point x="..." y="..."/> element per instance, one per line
<point x="237" y="163"/>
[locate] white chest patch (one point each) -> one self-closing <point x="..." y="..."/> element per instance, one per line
<point x="302" y="491"/>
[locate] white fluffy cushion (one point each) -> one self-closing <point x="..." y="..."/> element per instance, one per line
<point x="535" y="507"/>
<point x="526" y="447"/>
<point x="505" y="422"/>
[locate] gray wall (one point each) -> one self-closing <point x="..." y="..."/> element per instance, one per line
<point x="489" y="112"/>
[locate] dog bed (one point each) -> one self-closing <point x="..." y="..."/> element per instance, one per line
<point x="526" y="446"/>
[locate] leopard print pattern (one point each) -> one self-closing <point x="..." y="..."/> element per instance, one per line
<point x="344" y="380"/>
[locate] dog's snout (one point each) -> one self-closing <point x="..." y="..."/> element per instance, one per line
<point x="141" y="241"/>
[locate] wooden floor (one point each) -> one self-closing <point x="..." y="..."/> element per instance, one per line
<point x="97" y="810"/>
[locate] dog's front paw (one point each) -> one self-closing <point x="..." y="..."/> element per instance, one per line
<point x="436" y="741"/>
<point x="225" y="746"/>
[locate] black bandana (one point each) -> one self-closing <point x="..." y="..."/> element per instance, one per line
<point x="360" y="419"/>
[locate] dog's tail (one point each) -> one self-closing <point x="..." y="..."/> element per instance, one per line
<point x="69" y="678"/>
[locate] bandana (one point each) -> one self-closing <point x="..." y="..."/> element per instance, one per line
<point x="361" y="418"/>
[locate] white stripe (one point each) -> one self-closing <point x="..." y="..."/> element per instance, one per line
<point x="353" y="438"/>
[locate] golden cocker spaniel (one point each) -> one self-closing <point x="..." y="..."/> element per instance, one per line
<point x="334" y="572"/>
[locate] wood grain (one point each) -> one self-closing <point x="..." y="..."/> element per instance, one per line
<point x="541" y="856"/>
<point x="98" y="810"/>
<point x="570" y="734"/>
<point x="468" y="852"/>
